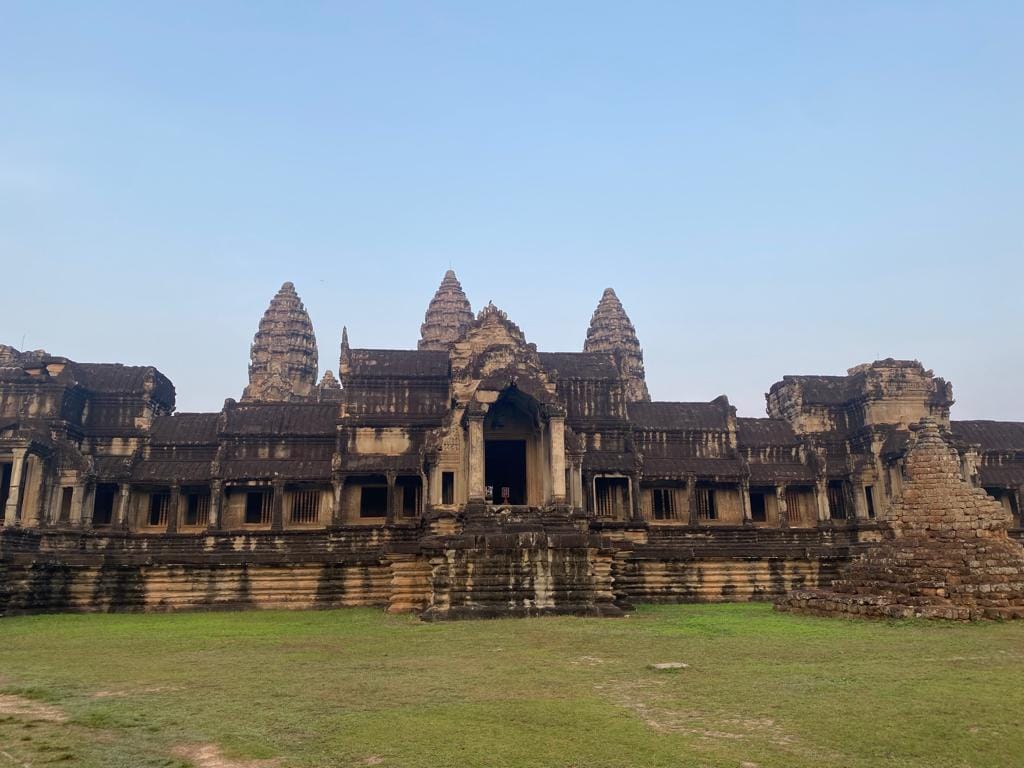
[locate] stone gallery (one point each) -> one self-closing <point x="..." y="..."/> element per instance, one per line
<point x="476" y="476"/>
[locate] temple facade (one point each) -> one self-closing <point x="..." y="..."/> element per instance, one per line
<point x="473" y="475"/>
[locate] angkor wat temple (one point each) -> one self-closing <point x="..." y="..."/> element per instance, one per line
<point x="474" y="475"/>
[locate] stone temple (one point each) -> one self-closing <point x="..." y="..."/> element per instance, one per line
<point x="476" y="476"/>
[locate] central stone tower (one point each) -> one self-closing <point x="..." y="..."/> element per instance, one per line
<point x="448" y="316"/>
<point x="283" y="356"/>
<point x="611" y="331"/>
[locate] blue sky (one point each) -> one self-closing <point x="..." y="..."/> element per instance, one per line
<point x="771" y="188"/>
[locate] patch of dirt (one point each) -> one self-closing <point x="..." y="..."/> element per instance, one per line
<point x="211" y="756"/>
<point x="19" y="706"/>
<point x="590" y="661"/>
<point x="123" y="693"/>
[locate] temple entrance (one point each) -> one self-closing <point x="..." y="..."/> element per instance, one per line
<point x="513" y="450"/>
<point x="505" y="470"/>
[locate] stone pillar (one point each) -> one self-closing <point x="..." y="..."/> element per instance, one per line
<point x="1019" y="522"/>
<point x="391" y="497"/>
<point x="77" y="502"/>
<point x="578" y="497"/>
<point x="821" y="500"/>
<point x="556" y="435"/>
<point x="14" y="495"/>
<point x="691" y="500"/>
<point x="216" y="504"/>
<point x="338" y="487"/>
<point x="476" y="458"/>
<point x="277" y="506"/>
<point x="121" y="514"/>
<point x="424" y="491"/>
<point x="172" y="508"/>
<point x="85" y="512"/>
<point x="745" y="502"/>
<point x="780" y="502"/>
<point x="636" y="507"/>
<point x="32" y="491"/>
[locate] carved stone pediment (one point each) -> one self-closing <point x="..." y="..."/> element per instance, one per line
<point x="493" y="354"/>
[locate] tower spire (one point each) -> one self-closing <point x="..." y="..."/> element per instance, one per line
<point x="447" y="317"/>
<point x="611" y="331"/>
<point x="283" y="356"/>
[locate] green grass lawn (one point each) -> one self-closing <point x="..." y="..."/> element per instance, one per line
<point x="357" y="687"/>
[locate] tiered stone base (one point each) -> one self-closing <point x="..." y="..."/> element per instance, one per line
<point x="948" y="555"/>
<point x="925" y="577"/>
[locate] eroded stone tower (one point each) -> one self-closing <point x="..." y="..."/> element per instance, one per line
<point x="611" y="331"/>
<point x="448" y="316"/>
<point x="283" y="356"/>
<point x="947" y="554"/>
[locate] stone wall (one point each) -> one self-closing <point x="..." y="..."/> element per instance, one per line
<point x="482" y="570"/>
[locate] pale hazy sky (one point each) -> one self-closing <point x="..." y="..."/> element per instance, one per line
<point x="771" y="188"/>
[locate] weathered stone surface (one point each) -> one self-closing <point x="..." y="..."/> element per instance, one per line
<point x="284" y="362"/>
<point x="611" y="331"/>
<point x="448" y="315"/>
<point x="948" y="554"/>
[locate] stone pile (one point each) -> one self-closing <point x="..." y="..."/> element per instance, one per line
<point x="947" y="554"/>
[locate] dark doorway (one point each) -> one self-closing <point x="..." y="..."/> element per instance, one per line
<point x="103" y="504"/>
<point x="5" y="487"/>
<point x="505" y="468"/>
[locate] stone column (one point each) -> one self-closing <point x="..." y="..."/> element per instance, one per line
<point x="780" y="502"/>
<point x="745" y="502"/>
<point x="691" y="500"/>
<point x="424" y="491"/>
<point x="576" y="484"/>
<point x="32" y="491"/>
<point x="476" y="458"/>
<point x="391" y="497"/>
<point x="1019" y="522"/>
<point x="216" y="503"/>
<point x="77" y="502"/>
<point x="636" y="506"/>
<point x="821" y="500"/>
<point x="121" y="516"/>
<point x="277" y="506"/>
<point x="172" y="508"/>
<point x="338" y="486"/>
<point x="14" y="494"/>
<point x="85" y="512"/>
<point x="556" y="437"/>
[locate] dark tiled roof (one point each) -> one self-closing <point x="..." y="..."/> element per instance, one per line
<point x="400" y="363"/>
<point x="579" y="365"/>
<point x="373" y="462"/>
<point x="755" y="433"/>
<point x="112" y="467"/>
<point x="730" y="469"/>
<point x="769" y="474"/>
<point x="608" y="461"/>
<point x="171" y="471"/>
<point x="114" y="378"/>
<point x="287" y="469"/>
<point x="677" y="416"/>
<point x="1002" y="475"/>
<point x="184" y="428"/>
<point x="991" y="435"/>
<point x="308" y="419"/>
